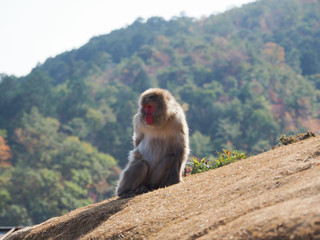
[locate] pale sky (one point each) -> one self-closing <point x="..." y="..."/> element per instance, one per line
<point x="33" y="30"/>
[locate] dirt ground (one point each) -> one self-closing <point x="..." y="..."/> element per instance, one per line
<point x="274" y="195"/>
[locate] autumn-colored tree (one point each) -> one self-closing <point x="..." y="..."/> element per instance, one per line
<point x="5" y="153"/>
<point x="274" y="53"/>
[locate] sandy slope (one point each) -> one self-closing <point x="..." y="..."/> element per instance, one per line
<point x="274" y="195"/>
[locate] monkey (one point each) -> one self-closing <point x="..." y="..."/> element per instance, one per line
<point x="161" y="145"/>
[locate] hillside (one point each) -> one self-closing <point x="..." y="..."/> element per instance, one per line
<point x="244" y="77"/>
<point x="274" y="195"/>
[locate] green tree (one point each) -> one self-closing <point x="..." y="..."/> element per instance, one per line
<point x="141" y="82"/>
<point x="36" y="140"/>
<point x="37" y="92"/>
<point x="52" y="173"/>
<point x="76" y="100"/>
<point x="201" y="145"/>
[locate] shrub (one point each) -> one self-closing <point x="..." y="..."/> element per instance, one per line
<point x="225" y="157"/>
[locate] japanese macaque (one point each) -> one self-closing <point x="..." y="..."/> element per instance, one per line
<point x="161" y="145"/>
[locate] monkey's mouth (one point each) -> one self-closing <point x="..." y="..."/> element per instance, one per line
<point x="148" y="119"/>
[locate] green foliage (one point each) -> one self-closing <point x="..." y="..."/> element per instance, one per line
<point x="204" y="164"/>
<point x="52" y="173"/>
<point x="3" y="133"/>
<point x="228" y="156"/>
<point x="200" y="165"/>
<point x="200" y="144"/>
<point x="141" y="82"/>
<point x="95" y="119"/>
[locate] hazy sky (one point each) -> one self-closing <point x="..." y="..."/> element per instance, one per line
<point x="33" y="30"/>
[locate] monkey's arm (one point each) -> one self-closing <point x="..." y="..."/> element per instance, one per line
<point x="138" y="135"/>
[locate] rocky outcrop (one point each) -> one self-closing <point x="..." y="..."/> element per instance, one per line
<point x="274" y="195"/>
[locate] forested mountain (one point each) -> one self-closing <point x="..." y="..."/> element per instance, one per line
<point x="244" y="77"/>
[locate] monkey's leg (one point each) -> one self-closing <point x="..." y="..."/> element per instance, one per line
<point x="173" y="173"/>
<point x="132" y="178"/>
<point x="172" y="170"/>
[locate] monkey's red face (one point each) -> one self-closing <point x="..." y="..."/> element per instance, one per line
<point x="148" y="110"/>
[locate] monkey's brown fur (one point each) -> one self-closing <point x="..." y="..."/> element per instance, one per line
<point x="160" y="149"/>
